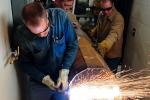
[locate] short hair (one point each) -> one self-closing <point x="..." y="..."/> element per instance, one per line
<point x="32" y="12"/>
<point x="107" y="0"/>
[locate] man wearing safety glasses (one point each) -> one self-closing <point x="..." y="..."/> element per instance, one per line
<point x="48" y="46"/>
<point x="108" y="33"/>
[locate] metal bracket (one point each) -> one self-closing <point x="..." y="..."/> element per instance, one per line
<point x="13" y="56"/>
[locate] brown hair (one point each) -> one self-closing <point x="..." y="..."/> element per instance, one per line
<point x="107" y="0"/>
<point x="32" y="12"/>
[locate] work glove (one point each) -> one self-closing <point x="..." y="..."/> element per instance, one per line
<point x="104" y="47"/>
<point x="49" y="82"/>
<point x="62" y="82"/>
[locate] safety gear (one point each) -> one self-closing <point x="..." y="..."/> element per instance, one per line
<point x="49" y="82"/>
<point x="62" y="82"/>
<point x="110" y="28"/>
<point x="59" y="44"/>
<point x="104" y="47"/>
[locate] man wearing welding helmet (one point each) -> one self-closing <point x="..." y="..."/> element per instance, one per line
<point x="48" y="46"/>
<point x="108" y="34"/>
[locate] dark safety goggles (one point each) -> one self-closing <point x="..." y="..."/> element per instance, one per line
<point x="106" y="9"/>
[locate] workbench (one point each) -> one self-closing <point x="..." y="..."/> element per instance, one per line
<point x="87" y="56"/>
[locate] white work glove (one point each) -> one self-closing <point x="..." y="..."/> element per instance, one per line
<point x="49" y="82"/>
<point x="63" y="80"/>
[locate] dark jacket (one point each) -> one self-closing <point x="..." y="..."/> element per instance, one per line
<point x="42" y="56"/>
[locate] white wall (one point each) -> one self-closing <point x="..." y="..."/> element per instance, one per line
<point x="137" y="52"/>
<point x="8" y="79"/>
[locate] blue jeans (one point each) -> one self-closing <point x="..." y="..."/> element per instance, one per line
<point x="41" y="92"/>
<point x="113" y="63"/>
